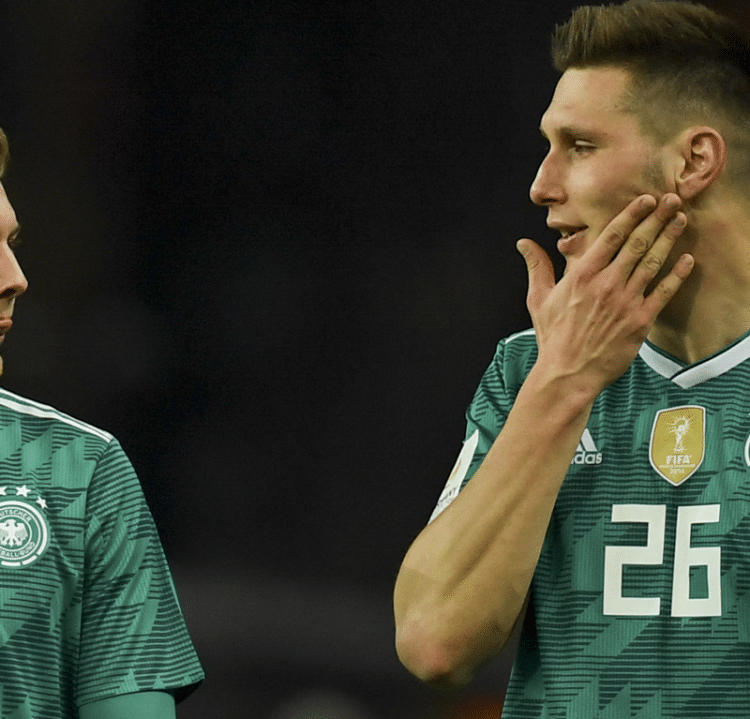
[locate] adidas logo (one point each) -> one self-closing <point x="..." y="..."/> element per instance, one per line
<point x="587" y="453"/>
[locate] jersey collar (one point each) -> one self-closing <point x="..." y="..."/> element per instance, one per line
<point x="687" y="376"/>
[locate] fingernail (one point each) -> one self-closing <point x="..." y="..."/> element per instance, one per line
<point x="679" y="220"/>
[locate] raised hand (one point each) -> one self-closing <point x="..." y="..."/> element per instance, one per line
<point x="591" y="324"/>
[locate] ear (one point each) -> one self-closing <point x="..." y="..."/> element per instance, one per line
<point x="703" y="152"/>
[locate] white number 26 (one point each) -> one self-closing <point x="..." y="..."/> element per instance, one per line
<point x="685" y="557"/>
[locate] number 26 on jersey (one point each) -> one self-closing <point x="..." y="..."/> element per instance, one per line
<point x="652" y="553"/>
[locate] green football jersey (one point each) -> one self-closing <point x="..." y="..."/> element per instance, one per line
<point x="640" y="606"/>
<point x="87" y="605"/>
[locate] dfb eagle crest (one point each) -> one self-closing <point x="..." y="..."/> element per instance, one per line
<point x="12" y="533"/>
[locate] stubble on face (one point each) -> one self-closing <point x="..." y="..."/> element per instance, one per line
<point x="600" y="157"/>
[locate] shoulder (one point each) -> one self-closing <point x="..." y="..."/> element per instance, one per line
<point x="515" y="355"/>
<point x="519" y="344"/>
<point x="14" y="408"/>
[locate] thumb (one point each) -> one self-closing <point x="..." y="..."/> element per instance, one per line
<point x="540" y="269"/>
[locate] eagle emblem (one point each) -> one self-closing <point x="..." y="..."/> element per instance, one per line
<point x="13" y="533"/>
<point x="24" y="529"/>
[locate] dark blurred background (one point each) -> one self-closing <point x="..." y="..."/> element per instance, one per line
<point x="270" y="246"/>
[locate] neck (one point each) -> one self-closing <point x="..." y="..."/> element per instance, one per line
<point x="696" y="344"/>
<point x="712" y="308"/>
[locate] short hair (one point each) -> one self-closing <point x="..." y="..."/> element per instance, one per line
<point x="687" y="64"/>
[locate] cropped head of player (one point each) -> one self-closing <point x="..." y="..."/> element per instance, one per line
<point x="12" y="280"/>
<point x="654" y="97"/>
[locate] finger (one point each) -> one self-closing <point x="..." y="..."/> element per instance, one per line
<point x="652" y="262"/>
<point x="615" y="234"/>
<point x="541" y="272"/>
<point x="644" y="235"/>
<point x="665" y="290"/>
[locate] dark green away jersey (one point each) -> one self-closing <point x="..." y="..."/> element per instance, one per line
<point x="640" y="601"/>
<point x="87" y="605"/>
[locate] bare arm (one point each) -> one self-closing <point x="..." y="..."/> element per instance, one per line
<point x="465" y="578"/>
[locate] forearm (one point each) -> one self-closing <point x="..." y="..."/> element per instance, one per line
<point x="465" y="578"/>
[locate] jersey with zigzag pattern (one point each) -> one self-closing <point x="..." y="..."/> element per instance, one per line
<point x="89" y="611"/>
<point x="641" y="598"/>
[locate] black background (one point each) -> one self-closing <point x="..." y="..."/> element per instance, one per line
<point x="271" y="247"/>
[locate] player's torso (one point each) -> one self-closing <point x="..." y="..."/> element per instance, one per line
<point x="642" y="592"/>
<point x="45" y="467"/>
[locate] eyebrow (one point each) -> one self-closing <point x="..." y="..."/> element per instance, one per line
<point x="573" y="131"/>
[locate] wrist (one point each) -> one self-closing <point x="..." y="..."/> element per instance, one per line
<point x="559" y="395"/>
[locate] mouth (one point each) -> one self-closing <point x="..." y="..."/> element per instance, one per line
<point x="570" y="238"/>
<point x="5" y="324"/>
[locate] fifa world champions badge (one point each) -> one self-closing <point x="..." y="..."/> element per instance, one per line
<point x="678" y="442"/>
<point x="24" y="531"/>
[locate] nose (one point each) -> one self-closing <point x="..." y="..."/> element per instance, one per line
<point x="12" y="279"/>
<point x="547" y="187"/>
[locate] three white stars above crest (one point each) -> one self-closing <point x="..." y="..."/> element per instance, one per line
<point x="23" y="491"/>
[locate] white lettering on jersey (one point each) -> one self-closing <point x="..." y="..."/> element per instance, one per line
<point x="587" y="452"/>
<point x="652" y="553"/>
<point x="458" y="474"/>
<point x="616" y="557"/>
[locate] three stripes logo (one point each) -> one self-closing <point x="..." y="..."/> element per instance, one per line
<point x="587" y="452"/>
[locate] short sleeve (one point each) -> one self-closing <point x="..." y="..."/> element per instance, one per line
<point x="486" y="415"/>
<point x="133" y="634"/>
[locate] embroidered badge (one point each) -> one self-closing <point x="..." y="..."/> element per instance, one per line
<point x="24" y="531"/>
<point x="678" y="442"/>
<point x="458" y="474"/>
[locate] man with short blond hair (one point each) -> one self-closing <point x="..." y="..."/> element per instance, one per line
<point x="90" y="625"/>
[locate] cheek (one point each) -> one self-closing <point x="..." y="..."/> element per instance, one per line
<point x="610" y="188"/>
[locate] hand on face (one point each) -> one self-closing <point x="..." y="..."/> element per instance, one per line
<point x="592" y="322"/>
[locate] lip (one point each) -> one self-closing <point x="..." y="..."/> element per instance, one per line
<point x="567" y="245"/>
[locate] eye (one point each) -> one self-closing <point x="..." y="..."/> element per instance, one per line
<point x="582" y="147"/>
